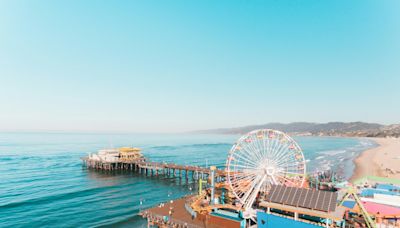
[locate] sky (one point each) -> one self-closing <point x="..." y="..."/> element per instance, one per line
<point x="172" y="66"/>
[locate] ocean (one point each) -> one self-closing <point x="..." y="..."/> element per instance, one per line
<point x="43" y="183"/>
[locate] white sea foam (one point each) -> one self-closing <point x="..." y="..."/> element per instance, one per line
<point x="324" y="165"/>
<point x="333" y="152"/>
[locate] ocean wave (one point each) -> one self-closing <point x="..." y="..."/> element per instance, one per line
<point x="190" y="146"/>
<point x="125" y="222"/>
<point x="325" y="165"/>
<point x="163" y="147"/>
<point x="51" y="198"/>
<point x="333" y="152"/>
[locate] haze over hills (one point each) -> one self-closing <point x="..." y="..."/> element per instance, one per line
<point x="354" y="129"/>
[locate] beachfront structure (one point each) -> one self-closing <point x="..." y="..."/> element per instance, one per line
<point x="265" y="220"/>
<point x="381" y="200"/>
<point x="106" y="155"/>
<point x="378" y="203"/>
<point x="117" y="155"/>
<point x="309" y="206"/>
<point x="130" y="154"/>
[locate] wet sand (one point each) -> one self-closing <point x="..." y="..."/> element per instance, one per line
<point x="382" y="161"/>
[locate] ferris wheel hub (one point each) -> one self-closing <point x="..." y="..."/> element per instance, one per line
<point x="270" y="170"/>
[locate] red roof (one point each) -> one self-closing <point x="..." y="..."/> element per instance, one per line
<point x="381" y="209"/>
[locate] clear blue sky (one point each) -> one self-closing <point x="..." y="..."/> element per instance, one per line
<point x="161" y="66"/>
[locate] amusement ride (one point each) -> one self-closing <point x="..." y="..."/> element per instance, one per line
<point x="260" y="159"/>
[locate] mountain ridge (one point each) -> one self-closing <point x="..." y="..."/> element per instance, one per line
<point x="349" y="129"/>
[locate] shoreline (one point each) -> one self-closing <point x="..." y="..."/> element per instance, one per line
<point x="381" y="161"/>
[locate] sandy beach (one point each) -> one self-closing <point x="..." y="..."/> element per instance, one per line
<point x="383" y="161"/>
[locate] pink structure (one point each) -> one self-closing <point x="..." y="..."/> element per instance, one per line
<point x="381" y="209"/>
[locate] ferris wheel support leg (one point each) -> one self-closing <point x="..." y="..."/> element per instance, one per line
<point x="255" y="192"/>
<point x="248" y="193"/>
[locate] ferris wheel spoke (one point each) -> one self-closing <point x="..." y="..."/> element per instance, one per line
<point x="260" y="144"/>
<point x="252" y="149"/>
<point x="290" y="167"/>
<point x="241" y="180"/>
<point x="244" y="176"/>
<point x="265" y="151"/>
<point x="287" y="161"/>
<point x="248" y="149"/>
<point x="285" y="156"/>
<point x="286" y="179"/>
<point x="248" y="161"/>
<point x="292" y="170"/>
<point x="274" y="180"/>
<point x="272" y="147"/>
<point x="243" y="188"/>
<point x="254" y="193"/>
<point x="256" y="181"/>
<point x="292" y="173"/>
<point x="259" y="137"/>
<point x="251" y="153"/>
<point x="279" y="150"/>
<point x="246" y="167"/>
<point x="282" y="151"/>
<point x="288" y="143"/>
<point x="270" y="142"/>
<point x="245" y="162"/>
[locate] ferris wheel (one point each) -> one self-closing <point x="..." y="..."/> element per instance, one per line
<point x="263" y="158"/>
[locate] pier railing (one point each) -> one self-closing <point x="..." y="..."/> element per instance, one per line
<point x="153" y="168"/>
<point x="188" y="207"/>
<point x="167" y="220"/>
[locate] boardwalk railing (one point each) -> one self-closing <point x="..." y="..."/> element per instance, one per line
<point x="167" y="220"/>
<point x="153" y="168"/>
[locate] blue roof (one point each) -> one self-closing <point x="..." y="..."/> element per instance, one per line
<point x="265" y="220"/>
<point x="227" y="215"/>
<point x="349" y="204"/>
<point x="389" y="187"/>
<point x="371" y="191"/>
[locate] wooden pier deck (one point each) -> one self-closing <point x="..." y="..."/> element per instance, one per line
<point x="178" y="213"/>
<point x="154" y="168"/>
<point x="170" y="214"/>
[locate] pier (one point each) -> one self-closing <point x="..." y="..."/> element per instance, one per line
<point x="154" y="168"/>
<point x="189" y="211"/>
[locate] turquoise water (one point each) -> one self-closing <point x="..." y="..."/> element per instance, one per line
<point x="43" y="184"/>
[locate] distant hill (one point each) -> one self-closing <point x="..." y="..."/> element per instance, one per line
<point x="359" y="129"/>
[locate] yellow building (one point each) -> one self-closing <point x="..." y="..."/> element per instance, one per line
<point x="130" y="154"/>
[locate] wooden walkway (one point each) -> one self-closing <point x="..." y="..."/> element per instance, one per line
<point x="178" y="213"/>
<point x="154" y="168"/>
